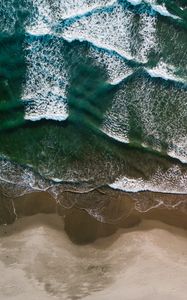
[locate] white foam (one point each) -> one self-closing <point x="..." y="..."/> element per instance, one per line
<point x="16" y="180"/>
<point x="135" y="2"/>
<point x="79" y="8"/>
<point x="56" y="179"/>
<point x="112" y="30"/>
<point x="37" y="117"/>
<point x="161" y="9"/>
<point x="171" y="181"/>
<point x="147" y="33"/>
<point x="165" y="71"/>
<point x="115" y="135"/>
<point x="38" y="29"/>
<point x="109" y="30"/>
<point x="160" y="111"/>
<point x="144" y="104"/>
<point x="46" y="79"/>
<point x="178" y="148"/>
<point x="46" y="15"/>
<point x="40" y="20"/>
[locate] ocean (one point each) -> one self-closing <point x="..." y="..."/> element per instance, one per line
<point x="93" y="94"/>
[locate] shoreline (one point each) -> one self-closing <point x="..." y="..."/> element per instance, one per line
<point x="98" y="213"/>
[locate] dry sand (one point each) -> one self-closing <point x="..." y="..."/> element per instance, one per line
<point x="39" y="262"/>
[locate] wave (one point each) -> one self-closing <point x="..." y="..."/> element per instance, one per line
<point x="37" y="117"/>
<point x="99" y="28"/>
<point x="115" y="135"/>
<point x="48" y="100"/>
<point x="42" y="16"/>
<point x="166" y="72"/>
<point x="47" y="15"/>
<point x="83" y="29"/>
<point x="121" y="53"/>
<point x="172" y="181"/>
<point x="178" y="147"/>
<point x="137" y="109"/>
<point x="116" y="68"/>
<point x="162" y="70"/>
<point x="176" y="150"/>
<point x="161" y="9"/>
<point x="89" y="9"/>
<point x="16" y="181"/>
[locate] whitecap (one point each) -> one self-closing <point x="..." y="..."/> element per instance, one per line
<point x="110" y="30"/>
<point x="165" y="71"/>
<point x="135" y="2"/>
<point x="161" y="9"/>
<point x="171" y="181"/>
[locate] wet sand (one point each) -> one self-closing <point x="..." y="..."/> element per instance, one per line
<point x="39" y="261"/>
<point x="50" y="252"/>
<point x="99" y="213"/>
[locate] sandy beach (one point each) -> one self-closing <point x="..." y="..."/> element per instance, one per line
<point x="38" y="261"/>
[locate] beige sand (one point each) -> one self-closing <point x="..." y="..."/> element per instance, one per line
<point x="39" y="262"/>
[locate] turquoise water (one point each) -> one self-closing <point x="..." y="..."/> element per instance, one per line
<point x="93" y="93"/>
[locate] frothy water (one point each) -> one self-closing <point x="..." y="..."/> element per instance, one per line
<point x="155" y="183"/>
<point x="46" y="80"/>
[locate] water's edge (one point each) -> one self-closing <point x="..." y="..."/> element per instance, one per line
<point x="100" y="212"/>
